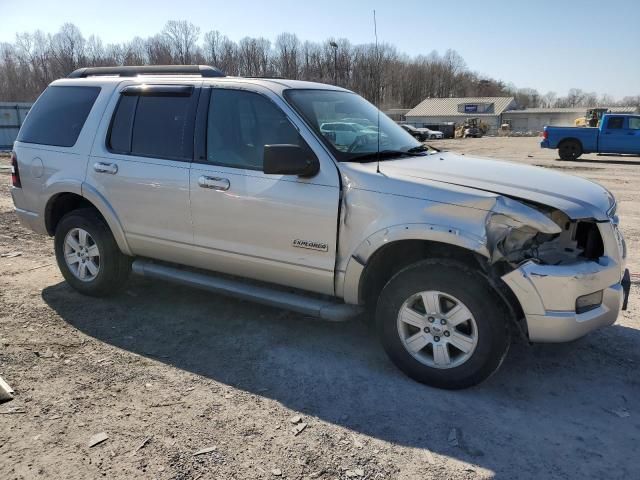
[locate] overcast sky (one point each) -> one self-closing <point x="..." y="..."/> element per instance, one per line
<point x="542" y="44"/>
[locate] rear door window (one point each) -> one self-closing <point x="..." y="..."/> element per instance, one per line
<point x="156" y="123"/>
<point x="615" y="123"/>
<point x="58" y="116"/>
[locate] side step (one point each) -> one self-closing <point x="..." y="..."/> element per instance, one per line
<point x="310" y="306"/>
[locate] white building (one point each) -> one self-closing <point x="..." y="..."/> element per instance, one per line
<point x="438" y="111"/>
<point x="534" y="119"/>
<point x="494" y="111"/>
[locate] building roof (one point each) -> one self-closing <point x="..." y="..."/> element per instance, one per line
<point x="396" y="111"/>
<point x="577" y="110"/>
<point x="15" y="104"/>
<point x="450" y="107"/>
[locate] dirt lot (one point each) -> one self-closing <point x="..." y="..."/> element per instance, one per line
<point x="167" y="371"/>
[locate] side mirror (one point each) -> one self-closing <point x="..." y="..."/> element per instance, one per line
<point x="290" y="160"/>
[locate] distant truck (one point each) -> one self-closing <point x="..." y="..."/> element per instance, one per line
<point x="616" y="134"/>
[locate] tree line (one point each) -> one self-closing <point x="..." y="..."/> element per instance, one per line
<point x="379" y="73"/>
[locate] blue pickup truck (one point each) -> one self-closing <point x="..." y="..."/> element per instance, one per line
<point x="616" y="134"/>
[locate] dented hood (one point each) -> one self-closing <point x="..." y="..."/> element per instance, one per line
<point x="575" y="196"/>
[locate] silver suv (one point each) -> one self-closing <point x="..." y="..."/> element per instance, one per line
<point x="232" y="185"/>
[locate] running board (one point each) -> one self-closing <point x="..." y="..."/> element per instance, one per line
<point x="313" y="307"/>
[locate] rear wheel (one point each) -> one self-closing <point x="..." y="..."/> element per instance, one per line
<point x="88" y="255"/>
<point x="442" y="324"/>
<point x="570" y="150"/>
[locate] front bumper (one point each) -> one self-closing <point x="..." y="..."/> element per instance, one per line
<point x="548" y="293"/>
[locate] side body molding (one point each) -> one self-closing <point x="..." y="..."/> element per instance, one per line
<point x="95" y="197"/>
<point x="412" y="231"/>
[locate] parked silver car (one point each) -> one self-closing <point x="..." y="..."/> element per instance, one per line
<point x="181" y="173"/>
<point x="422" y="134"/>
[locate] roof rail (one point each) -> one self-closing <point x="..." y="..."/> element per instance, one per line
<point x="132" y="71"/>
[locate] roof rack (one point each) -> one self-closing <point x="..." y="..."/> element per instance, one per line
<point x="132" y="71"/>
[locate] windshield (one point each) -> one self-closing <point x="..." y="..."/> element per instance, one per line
<point x="348" y="124"/>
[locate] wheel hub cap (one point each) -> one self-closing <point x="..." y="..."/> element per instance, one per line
<point x="437" y="329"/>
<point x="81" y="254"/>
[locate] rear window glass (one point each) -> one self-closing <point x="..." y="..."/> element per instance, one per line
<point x="153" y="126"/>
<point x="58" y="116"/>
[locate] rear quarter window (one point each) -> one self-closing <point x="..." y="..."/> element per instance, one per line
<point x="58" y="116"/>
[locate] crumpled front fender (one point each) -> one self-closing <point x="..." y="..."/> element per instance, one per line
<point x="415" y="231"/>
<point x="511" y="224"/>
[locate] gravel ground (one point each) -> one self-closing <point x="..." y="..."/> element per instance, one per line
<point x="165" y="372"/>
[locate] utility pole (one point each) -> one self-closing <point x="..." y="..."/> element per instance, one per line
<point x="334" y="45"/>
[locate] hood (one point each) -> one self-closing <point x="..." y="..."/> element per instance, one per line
<point x="577" y="197"/>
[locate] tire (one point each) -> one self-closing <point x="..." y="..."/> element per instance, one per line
<point x="484" y="335"/>
<point x="570" y="150"/>
<point x="95" y="253"/>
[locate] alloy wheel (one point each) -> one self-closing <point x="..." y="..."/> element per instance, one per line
<point x="81" y="254"/>
<point x="437" y="329"/>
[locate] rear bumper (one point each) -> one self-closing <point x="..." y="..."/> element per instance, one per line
<point x="29" y="219"/>
<point x="32" y="221"/>
<point x="544" y="144"/>
<point x="548" y="293"/>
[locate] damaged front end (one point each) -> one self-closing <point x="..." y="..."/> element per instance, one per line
<point x="567" y="274"/>
<point x="519" y="231"/>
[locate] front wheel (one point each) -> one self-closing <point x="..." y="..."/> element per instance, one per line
<point x="442" y="324"/>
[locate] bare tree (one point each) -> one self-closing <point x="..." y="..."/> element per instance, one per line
<point x="287" y="55"/>
<point x="182" y="38"/>
<point x="67" y="48"/>
<point x="158" y="51"/>
<point x="384" y="75"/>
<point x="253" y="57"/>
<point x="549" y="100"/>
<point x="606" y="101"/>
<point x="213" y="44"/>
<point x="633" y="101"/>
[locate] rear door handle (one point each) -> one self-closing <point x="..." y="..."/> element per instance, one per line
<point x="214" y="183"/>
<point x="110" y="168"/>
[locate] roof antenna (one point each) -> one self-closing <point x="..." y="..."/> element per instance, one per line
<point x="375" y="31"/>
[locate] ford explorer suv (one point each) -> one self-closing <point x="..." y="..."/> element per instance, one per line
<point x="232" y="185"/>
<point x="616" y="134"/>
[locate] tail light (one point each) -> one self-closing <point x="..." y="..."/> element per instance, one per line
<point x="545" y="134"/>
<point x="15" y="173"/>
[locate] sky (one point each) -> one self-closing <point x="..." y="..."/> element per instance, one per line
<point x="541" y="44"/>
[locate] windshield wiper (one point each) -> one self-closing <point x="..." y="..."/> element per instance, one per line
<point x="384" y="154"/>
<point x="418" y="149"/>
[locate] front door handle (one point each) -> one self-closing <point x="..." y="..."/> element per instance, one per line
<point x="110" y="168"/>
<point x="215" y="183"/>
